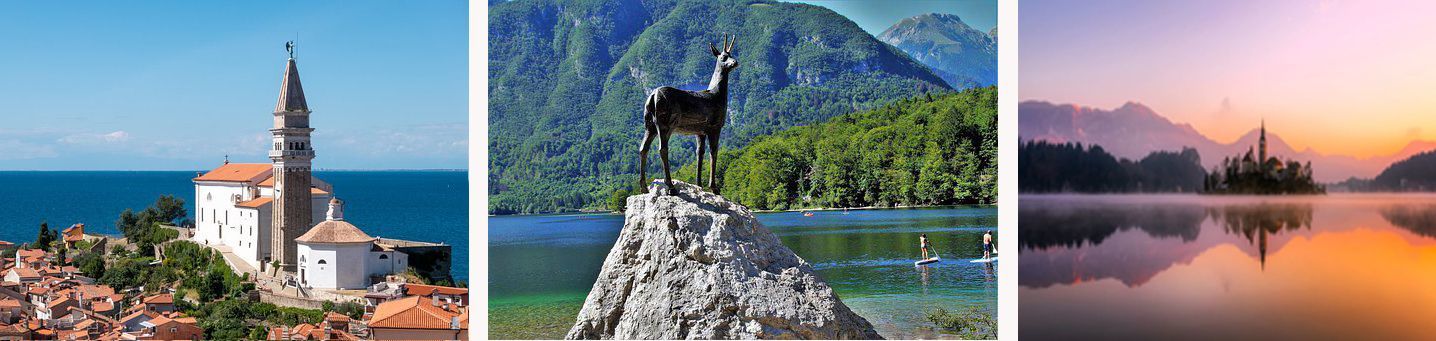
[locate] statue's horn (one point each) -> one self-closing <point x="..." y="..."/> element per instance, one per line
<point x="731" y="43"/>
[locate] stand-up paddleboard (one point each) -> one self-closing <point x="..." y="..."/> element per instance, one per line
<point x="985" y="260"/>
<point x="934" y="259"/>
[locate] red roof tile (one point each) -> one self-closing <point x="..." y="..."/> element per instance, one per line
<point x="428" y="290"/>
<point x="256" y="203"/>
<point x="237" y="172"/>
<point x="414" y="312"/>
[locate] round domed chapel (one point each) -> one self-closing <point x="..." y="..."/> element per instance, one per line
<point x="335" y="254"/>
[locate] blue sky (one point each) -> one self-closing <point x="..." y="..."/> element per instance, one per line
<point x="876" y="16"/>
<point x="173" y="85"/>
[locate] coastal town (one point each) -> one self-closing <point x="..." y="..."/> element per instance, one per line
<point x="67" y="290"/>
<point x="267" y="254"/>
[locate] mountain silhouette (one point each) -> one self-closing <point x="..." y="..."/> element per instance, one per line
<point x="1135" y="130"/>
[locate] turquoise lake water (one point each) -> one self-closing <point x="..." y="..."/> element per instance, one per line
<point x="428" y="206"/>
<point x="542" y="267"/>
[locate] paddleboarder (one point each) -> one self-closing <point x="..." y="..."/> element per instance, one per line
<point x="923" y="243"/>
<point x="987" y="245"/>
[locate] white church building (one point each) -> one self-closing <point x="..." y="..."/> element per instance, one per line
<point x="337" y="254"/>
<point x="264" y="213"/>
<point x="233" y="206"/>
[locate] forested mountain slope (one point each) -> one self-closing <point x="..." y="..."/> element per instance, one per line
<point x="568" y="78"/>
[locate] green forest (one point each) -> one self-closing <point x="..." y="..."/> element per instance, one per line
<point x="936" y="149"/>
<point x="1044" y="167"/>
<point x="568" y="77"/>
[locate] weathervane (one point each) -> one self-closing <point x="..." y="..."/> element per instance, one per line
<point x="289" y="46"/>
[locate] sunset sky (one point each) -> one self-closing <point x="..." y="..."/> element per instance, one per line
<point x="1342" y="77"/>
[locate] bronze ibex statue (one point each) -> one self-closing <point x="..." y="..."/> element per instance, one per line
<point x="699" y="113"/>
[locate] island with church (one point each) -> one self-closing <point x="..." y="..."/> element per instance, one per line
<point x="1260" y="174"/>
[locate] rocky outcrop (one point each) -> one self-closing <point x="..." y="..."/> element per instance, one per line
<point x="696" y="266"/>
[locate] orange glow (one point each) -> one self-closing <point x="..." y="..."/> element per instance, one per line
<point x="1339" y="77"/>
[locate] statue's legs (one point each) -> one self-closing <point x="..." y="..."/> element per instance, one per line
<point x="713" y="161"/>
<point x="649" y="131"/>
<point x="663" y="154"/>
<point x="701" y="142"/>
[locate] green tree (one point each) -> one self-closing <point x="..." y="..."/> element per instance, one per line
<point x="169" y="209"/>
<point x="45" y="237"/>
<point x="618" y="201"/>
<point x="90" y="263"/>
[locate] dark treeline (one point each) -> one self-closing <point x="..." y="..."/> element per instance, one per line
<point x="1044" y="167"/>
<point x="1417" y="173"/>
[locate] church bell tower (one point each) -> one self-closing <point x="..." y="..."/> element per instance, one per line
<point x="1262" y="144"/>
<point x="292" y="159"/>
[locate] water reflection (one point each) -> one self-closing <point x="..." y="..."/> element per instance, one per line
<point x="1078" y="224"/>
<point x="1419" y="219"/>
<point x="1049" y="234"/>
<point x="1192" y="267"/>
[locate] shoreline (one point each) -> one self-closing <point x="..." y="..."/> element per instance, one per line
<point x="900" y="207"/>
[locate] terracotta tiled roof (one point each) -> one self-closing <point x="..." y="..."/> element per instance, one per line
<point x="429" y="290"/>
<point x="28" y="253"/>
<point x="303" y="329"/>
<point x="414" y="312"/>
<point x="159" y="320"/>
<point x="268" y="182"/>
<point x="148" y="315"/>
<point x="95" y="291"/>
<point x="237" y="172"/>
<point x="335" y="317"/>
<point x="74" y="233"/>
<point x="160" y="299"/>
<point x="256" y="203"/>
<point x="102" y="306"/>
<point x="84" y="324"/>
<point x="9" y="302"/>
<point x="334" y="231"/>
<point x="26" y="272"/>
<point x="5" y="243"/>
<point x="317" y="191"/>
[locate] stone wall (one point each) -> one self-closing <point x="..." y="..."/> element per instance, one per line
<point x="431" y="260"/>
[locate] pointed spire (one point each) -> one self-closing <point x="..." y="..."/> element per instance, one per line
<point x="291" y="93"/>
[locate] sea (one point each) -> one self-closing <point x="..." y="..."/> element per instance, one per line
<point x="431" y="206"/>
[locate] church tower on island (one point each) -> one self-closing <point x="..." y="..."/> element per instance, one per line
<point x="1261" y="161"/>
<point x="292" y="159"/>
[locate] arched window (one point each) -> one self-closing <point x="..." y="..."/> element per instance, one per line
<point x="321" y="261"/>
<point x="383" y="256"/>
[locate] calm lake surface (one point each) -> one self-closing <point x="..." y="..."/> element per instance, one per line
<point x="1342" y="266"/>
<point x="428" y="206"/>
<point x="541" y="268"/>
